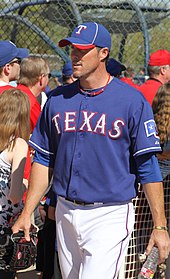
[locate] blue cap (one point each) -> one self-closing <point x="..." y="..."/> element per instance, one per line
<point x="88" y="35"/>
<point x="9" y="51"/>
<point x="114" y="67"/>
<point x="67" y="69"/>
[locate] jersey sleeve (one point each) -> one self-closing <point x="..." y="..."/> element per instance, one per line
<point x="42" y="159"/>
<point x="143" y="132"/>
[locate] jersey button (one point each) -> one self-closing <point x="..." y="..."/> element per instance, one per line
<point x="76" y="173"/>
<point x="74" y="194"/>
<point x="79" y="155"/>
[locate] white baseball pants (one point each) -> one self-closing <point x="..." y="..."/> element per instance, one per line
<point x="92" y="240"/>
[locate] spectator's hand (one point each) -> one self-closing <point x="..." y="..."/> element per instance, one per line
<point x="160" y="238"/>
<point x="23" y="223"/>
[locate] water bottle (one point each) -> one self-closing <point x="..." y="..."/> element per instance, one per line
<point x="150" y="265"/>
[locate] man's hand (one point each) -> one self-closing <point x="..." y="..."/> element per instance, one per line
<point x="160" y="238"/>
<point x="23" y="223"/>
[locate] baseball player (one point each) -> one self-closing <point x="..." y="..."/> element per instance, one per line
<point x="97" y="138"/>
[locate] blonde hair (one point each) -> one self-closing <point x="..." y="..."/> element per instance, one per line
<point x="31" y="69"/>
<point x="14" y="117"/>
<point x="161" y="110"/>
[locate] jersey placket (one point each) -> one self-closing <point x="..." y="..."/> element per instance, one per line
<point x="77" y="162"/>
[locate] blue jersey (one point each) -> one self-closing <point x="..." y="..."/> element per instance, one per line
<point x="92" y="141"/>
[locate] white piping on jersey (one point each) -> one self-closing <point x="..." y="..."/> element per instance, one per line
<point x="45" y="151"/>
<point x="146" y="149"/>
<point x="95" y="33"/>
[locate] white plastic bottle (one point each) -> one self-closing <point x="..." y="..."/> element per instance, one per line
<point x="150" y="265"/>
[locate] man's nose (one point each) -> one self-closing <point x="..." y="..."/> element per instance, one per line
<point x="75" y="52"/>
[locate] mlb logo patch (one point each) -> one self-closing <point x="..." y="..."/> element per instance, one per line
<point x="150" y="128"/>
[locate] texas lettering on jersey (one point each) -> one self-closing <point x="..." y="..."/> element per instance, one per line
<point x="86" y="125"/>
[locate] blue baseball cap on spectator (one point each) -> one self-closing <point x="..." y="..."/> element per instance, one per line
<point x="88" y="35"/>
<point x="9" y="51"/>
<point x="67" y="69"/>
<point x="114" y="67"/>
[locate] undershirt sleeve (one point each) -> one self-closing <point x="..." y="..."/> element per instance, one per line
<point x="148" y="168"/>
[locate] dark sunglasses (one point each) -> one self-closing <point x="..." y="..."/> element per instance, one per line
<point x="18" y="61"/>
<point x="48" y="74"/>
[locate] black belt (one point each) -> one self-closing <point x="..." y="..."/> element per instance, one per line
<point x="84" y="203"/>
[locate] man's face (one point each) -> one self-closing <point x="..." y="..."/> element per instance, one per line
<point x="167" y="73"/>
<point x="14" y="69"/>
<point x="84" y="61"/>
<point x="45" y="79"/>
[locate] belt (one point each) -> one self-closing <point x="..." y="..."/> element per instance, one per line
<point x="84" y="203"/>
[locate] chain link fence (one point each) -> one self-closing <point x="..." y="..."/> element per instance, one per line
<point x="138" y="27"/>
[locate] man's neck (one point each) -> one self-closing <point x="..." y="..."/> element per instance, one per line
<point x="3" y="83"/>
<point x="158" y="78"/>
<point x="35" y="90"/>
<point x="94" y="81"/>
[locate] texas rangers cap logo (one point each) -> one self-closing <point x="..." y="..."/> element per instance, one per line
<point x="80" y="28"/>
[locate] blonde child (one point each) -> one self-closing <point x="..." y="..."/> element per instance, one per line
<point x="14" y="134"/>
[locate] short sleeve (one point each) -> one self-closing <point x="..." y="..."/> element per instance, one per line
<point x="143" y="132"/>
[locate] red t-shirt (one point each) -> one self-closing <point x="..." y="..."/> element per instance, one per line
<point x="129" y="81"/>
<point x="149" y="89"/>
<point x="5" y="87"/>
<point x="35" y="110"/>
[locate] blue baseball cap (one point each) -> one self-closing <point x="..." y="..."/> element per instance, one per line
<point x="114" y="67"/>
<point x="67" y="69"/>
<point x="88" y="35"/>
<point x="9" y="51"/>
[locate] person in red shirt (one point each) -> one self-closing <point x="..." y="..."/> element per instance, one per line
<point x="159" y="73"/>
<point x="34" y="77"/>
<point x="10" y="59"/>
<point x="129" y="76"/>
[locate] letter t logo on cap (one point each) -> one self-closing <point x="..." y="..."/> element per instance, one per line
<point x="80" y="27"/>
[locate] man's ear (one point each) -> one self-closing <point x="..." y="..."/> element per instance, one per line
<point x="6" y="69"/>
<point x="104" y="52"/>
<point x="40" y="79"/>
<point x="162" y="70"/>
